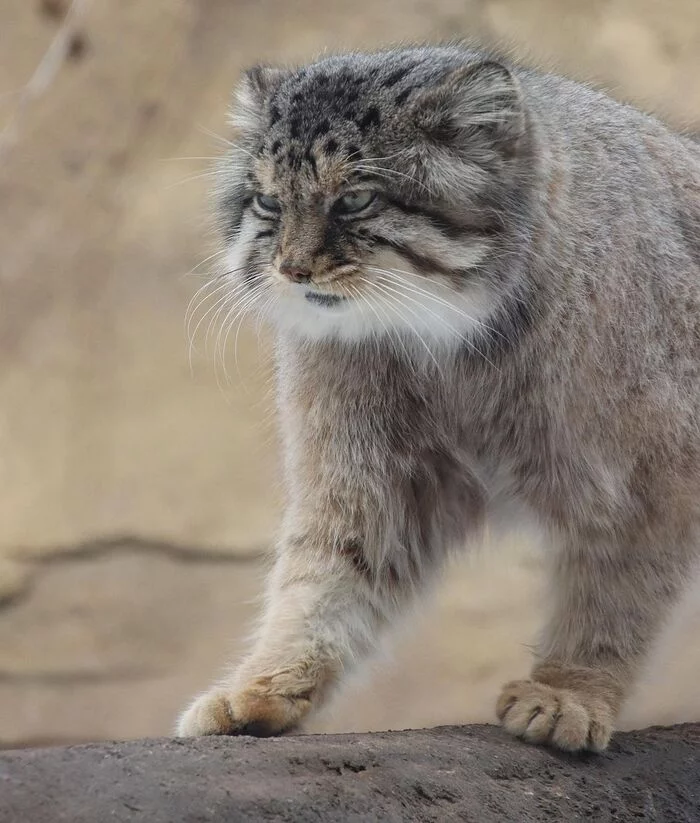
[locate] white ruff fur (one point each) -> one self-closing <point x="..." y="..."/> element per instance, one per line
<point x="390" y="299"/>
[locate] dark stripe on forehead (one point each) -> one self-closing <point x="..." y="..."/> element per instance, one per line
<point x="311" y="160"/>
<point x="370" y="119"/>
<point x="397" y="75"/>
<point x="402" y="96"/>
<point x="322" y="129"/>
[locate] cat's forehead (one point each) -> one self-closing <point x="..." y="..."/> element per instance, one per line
<point x="348" y="95"/>
<point x="327" y="119"/>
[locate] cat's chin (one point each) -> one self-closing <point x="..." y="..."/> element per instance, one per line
<point x="323" y="299"/>
<point x="316" y="315"/>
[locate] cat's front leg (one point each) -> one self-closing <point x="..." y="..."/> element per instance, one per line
<point x="323" y="612"/>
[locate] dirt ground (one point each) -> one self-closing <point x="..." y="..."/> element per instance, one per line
<point x="138" y="495"/>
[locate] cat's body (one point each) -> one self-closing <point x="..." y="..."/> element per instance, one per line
<point x="512" y="313"/>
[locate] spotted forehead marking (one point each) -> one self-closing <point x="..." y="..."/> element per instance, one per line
<point x="321" y="119"/>
<point x="317" y="114"/>
<point x="323" y="167"/>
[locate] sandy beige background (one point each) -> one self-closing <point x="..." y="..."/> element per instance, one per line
<point x="137" y="497"/>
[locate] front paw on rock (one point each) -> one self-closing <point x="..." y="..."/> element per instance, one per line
<point x="558" y="717"/>
<point x="210" y="713"/>
<point x="221" y="712"/>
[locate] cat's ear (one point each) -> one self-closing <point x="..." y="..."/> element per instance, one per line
<point x="251" y="96"/>
<point x="480" y="104"/>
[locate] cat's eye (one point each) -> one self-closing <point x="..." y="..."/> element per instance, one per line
<point x="354" y="201"/>
<point x="267" y="203"/>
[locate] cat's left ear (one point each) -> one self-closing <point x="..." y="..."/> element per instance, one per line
<point x="481" y="104"/>
<point x="252" y="95"/>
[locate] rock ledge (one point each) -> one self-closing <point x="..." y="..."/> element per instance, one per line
<point x="471" y="773"/>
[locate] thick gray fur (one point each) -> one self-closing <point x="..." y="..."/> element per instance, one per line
<point x="564" y="229"/>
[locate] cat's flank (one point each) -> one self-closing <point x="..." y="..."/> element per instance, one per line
<point x="485" y="285"/>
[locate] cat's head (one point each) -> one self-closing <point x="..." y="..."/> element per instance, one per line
<point x="366" y="194"/>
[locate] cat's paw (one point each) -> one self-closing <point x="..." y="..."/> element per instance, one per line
<point x="210" y="713"/>
<point x="253" y="711"/>
<point x="564" y="718"/>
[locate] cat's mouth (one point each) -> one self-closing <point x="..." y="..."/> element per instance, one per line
<point x="324" y="299"/>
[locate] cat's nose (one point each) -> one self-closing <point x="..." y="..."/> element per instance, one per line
<point x="295" y="272"/>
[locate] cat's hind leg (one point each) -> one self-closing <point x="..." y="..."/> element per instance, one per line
<point x="610" y="599"/>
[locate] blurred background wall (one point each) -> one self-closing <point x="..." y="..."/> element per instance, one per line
<point x="137" y="495"/>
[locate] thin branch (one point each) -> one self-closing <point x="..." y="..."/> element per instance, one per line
<point x="44" y="74"/>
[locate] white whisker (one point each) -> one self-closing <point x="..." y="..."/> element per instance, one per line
<point x="192" y="310"/>
<point x="412" y="286"/>
<point x="360" y="165"/>
<point x="364" y="298"/>
<point x="219" y="138"/>
<point x="191" y="179"/>
<point x="393" y="297"/>
<point x="241" y="310"/>
<point x="449" y="327"/>
<point x="199" y="265"/>
<point x="190" y="335"/>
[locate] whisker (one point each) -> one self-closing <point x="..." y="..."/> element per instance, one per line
<point x="230" y="293"/>
<point x="240" y="311"/>
<point x="395" y="298"/>
<point x="452" y="329"/>
<point x="191" y="310"/>
<point x="215" y="136"/>
<point x="237" y="147"/>
<point x="387" y="328"/>
<point x="213" y="159"/>
<point x="219" y="253"/>
<point x="246" y="310"/>
<point x="420" y="290"/>
<point x="357" y="294"/>
<point x="361" y="166"/>
<point x="225" y="306"/>
<point x="190" y="314"/>
<point x="190" y="179"/>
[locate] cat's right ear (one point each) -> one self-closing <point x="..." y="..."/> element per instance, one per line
<point x="479" y="106"/>
<point x="252" y="95"/>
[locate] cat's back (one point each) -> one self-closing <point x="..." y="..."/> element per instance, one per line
<point x="623" y="184"/>
<point x="591" y="131"/>
<point x="579" y="112"/>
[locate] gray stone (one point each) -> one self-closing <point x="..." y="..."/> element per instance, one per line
<point x="470" y="773"/>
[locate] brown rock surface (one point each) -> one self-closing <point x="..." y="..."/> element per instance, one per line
<point x="104" y="430"/>
<point x="473" y="774"/>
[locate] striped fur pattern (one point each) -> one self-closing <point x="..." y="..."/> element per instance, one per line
<point x="485" y="284"/>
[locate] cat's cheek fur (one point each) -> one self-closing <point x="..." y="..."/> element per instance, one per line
<point x="237" y="258"/>
<point x="429" y="307"/>
<point x="393" y="300"/>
